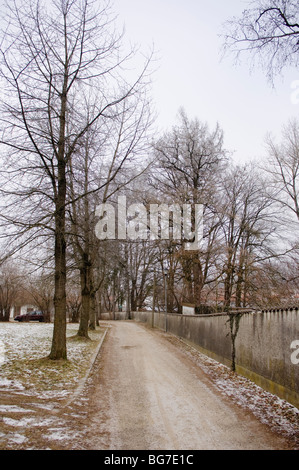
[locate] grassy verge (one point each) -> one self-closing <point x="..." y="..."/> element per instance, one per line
<point x="26" y="368"/>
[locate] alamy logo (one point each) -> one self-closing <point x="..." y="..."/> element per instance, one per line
<point x="157" y="222"/>
<point x="295" y="354"/>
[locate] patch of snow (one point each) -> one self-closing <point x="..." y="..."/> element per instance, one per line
<point x="17" y="438"/>
<point x="11" y="384"/>
<point x="26" y="422"/>
<point x="14" y="409"/>
<point x="44" y="406"/>
<point x="27" y="341"/>
<point x="60" y="434"/>
<point x="17" y="422"/>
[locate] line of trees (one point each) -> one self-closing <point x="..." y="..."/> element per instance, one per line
<point x="249" y="254"/>
<point x="61" y="70"/>
<point x="77" y="131"/>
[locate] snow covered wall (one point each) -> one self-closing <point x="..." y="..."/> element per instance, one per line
<point x="264" y="345"/>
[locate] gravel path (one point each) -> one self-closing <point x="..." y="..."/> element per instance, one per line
<point x="155" y="397"/>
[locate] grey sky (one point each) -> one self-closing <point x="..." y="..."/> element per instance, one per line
<point x="190" y="72"/>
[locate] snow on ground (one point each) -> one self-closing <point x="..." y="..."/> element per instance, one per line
<point x="32" y="387"/>
<point x="282" y="416"/>
<point x="23" y="365"/>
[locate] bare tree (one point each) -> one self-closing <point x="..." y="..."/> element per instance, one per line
<point x="190" y="159"/>
<point x="41" y="288"/>
<point x="107" y="164"/>
<point x="73" y="298"/>
<point x="53" y="55"/>
<point x="10" y="288"/>
<point x="282" y="168"/>
<point x="248" y="228"/>
<point x="270" y="31"/>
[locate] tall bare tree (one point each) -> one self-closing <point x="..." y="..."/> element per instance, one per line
<point x="107" y="164"/>
<point x="248" y="228"/>
<point x="283" y="168"/>
<point x="53" y="55"/>
<point x="269" y="30"/>
<point x="190" y="159"/>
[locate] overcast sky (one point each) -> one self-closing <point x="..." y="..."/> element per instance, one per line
<point x="190" y="72"/>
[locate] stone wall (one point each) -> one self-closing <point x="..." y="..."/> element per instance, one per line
<point x="262" y="343"/>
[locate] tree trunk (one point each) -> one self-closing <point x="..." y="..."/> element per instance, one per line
<point x="154" y="300"/>
<point x="128" y="303"/>
<point x="228" y="282"/>
<point x="58" y="350"/>
<point x="92" y="316"/>
<point x="85" y="294"/>
<point x="133" y="296"/>
<point x="198" y="279"/>
<point x="187" y="270"/>
<point x="7" y="313"/>
<point x="127" y="285"/>
<point x="227" y="289"/>
<point x="239" y="285"/>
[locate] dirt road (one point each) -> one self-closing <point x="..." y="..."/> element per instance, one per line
<point x="150" y="395"/>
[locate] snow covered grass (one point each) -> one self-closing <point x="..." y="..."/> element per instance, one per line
<point x="35" y="392"/>
<point x="24" y="364"/>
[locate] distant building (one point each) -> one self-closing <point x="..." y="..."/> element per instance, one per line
<point x="22" y="309"/>
<point x="188" y="309"/>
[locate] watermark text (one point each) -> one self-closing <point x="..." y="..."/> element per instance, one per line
<point x="295" y="354"/>
<point x="155" y="222"/>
